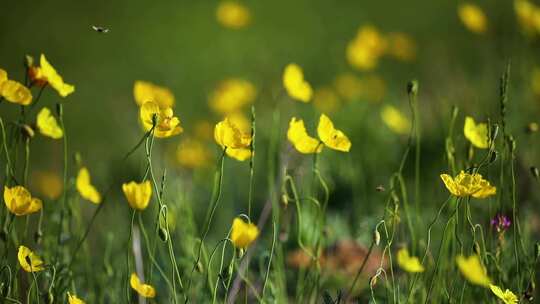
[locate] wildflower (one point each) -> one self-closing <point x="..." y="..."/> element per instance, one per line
<point x="395" y="120"/>
<point x="46" y="74"/>
<point x="401" y="46"/>
<point x="73" y="299"/>
<point x="47" y="124"/>
<point x="20" y="202"/>
<point x="500" y="222"/>
<point x="298" y="136"/>
<point x="326" y="100"/>
<point x="137" y="194"/>
<point x="477" y="134"/>
<point x="348" y="86"/>
<point x="192" y="153"/>
<point x="144" y="91"/>
<point x="85" y="187"/>
<point x="166" y="124"/>
<point x="465" y="184"/>
<point x="48" y="183"/>
<point x="295" y="84"/>
<point x="232" y="14"/>
<point x="332" y="137"/>
<point x="528" y="16"/>
<point x="231" y="95"/>
<point x="144" y="290"/>
<point x="407" y="262"/>
<point x="13" y="91"/>
<point x="243" y="234"/>
<point x="473" y="18"/>
<point x="28" y="260"/>
<point x="233" y="134"/>
<point x="364" y="51"/>
<point x="473" y="270"/>
<point x="508" y="297"/>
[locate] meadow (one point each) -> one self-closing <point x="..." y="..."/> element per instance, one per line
<point x="240" y="151"/>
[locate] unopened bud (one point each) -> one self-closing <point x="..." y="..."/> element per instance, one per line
<point x="380" y="188"/>
<point x="37" y="236"/>
<point x="28" y="61"/>
<point x="532" y="128"/>
<point x="285" y="200"/>
<point x="412" y="87"/>
<point x="493" y="156"/>
<point x="535" y="172"/>
<point x="200" y="267"/>
<point x="376" y="237"/>
<point x="163" y="235"/>
<point x="28" y="131"/>
<point x="373" y="281"/>
<point x="241" y="253"/>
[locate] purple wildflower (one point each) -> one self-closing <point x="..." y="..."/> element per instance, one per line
<point x="501" y="222"/>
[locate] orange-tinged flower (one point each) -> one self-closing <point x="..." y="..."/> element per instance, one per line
<point x="243" y="234"/>
<point x="138" y="194"/>
<point x="465" y="184"/>
<point x="295" y="84"/>
<point x="144" y="91"/>
<point x="46" y="74"/>
<point x="300" y="139"/>
<point x="145" y="290"/>
<point x="85" y="187"/>
<point x="167" y="124"/>
<point x="232" y="14"/>
<point x="20" y="202"/>
<point x="332" y="137"/>
<point x="28" y="260"/>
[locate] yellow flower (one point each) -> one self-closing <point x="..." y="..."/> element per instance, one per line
<point x="20" y="202"/>
<point x="233" y="15"/>
<point x="192" y="153"/>
<point x="48" y="183"/>
<point x="243" y="234"/>
<point x="528" y="16"/>
<point x="401" y="46"/>
<point x="477" y="134"/>
<point x="508" y="297"/>
<point x="364" y="51"/>
<point x="47" y="124"/>
<point x="298" y="136"/>
<point x="46" y="73"/>
<point x="234" y="133"/>
<point x="231" y="95"/>
<point x="85" y="187"/>
<point x="326" y="100"/>
<point x="138" y="195"/>
<point x="473" y="270"/>
<point x="407" y="262"/>
<point x="473" y="18"/>
<point x="294" y="83"/>
<point x="29" y="261"/>
<point x="144" y="91"/>
<point x="73" y="299"/>
<point x="144" y="290"/>
<point x="465" y="184"/>
<point x="348" y="86"/>
<point x="331" y="137"/>
<point x="395" y="120"/>
<point x="167" y="124"/>
<point x="15" y="92"/>
<point x="3" y="76"/>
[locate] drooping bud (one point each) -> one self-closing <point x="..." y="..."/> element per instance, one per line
<point x="163" y="235"/>
<point x="28" y="131"/>
<point x="412" y="87"/>
<point x="376" y="237"/>
<point x="535" y="172"/>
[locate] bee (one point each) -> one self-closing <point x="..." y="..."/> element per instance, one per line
<point x="380" y="188"/>
<point x="100" y="29"/>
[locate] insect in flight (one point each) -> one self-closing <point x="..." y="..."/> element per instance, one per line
<point x="100" y="29"/>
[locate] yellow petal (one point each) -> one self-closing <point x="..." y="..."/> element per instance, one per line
<point x="232" y="14"/>
<point x="508" y="297"/>
<point x="407" y="262"/>
<point x="47" y="124"/>
<point x="395" y="120"/>
<point x="20" y="202"/>
<point x="450" y="185"/>
<point x="54" y="79"/>
<point x="477" y="134"/>
<point x="73" y="299"/>
<point x="295" y="85"/>
<point x="138" y="194"/>
<point x="301" y="141"/>
<point x="473" y="270"/>
<point x="25" y="255"/>
<point x="167" y="124"/>
<point x="3" y="76"/>
<point x="144" y="91"/>
<point x="231" y="95"/>
<point x="85" y="187"/>
<point x="144" y="290"/>
<point x="331" y="137"/>
<point x="242" y="233"/>
<point x="473" y="18"/>
<point x="15" y="92"/>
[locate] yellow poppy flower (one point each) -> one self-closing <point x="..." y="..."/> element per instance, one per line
<point x="301" y="141"/>
<point x="401" y="46"/>
<point x="326" y="100"/>
<point x="364" y="51"/>
<point x="294" y="83"/>
<point x="395" y="120"/>
<point x="477" y="134"/>
<point x="407" y="262"/>
<point x="192" y="153"/>
<point x="138" y="194"/>
<point x="331" y="137"/>
<point x="85" y="187"/>
<point x="20" y="202"/>
<point x="46" y="73"/>
<point x="167" y="124"/>
<point x="243" y="234"/>
<point x="508" y="297"/>
<point x="48" y="183"/>
<point x="73" y="299"/>
<point x="144" y="290"/>
<point x="47" y="124"/>
<point x="28" y="260"/>
<point x="231" y="95"/>
<point x="232" y="14"/>
<point x="15" y="92"/>
<point x="465" y="184"/>
<point x="528" y="16"/>
<point x="144" y="91"/>
<point x="3" y="76"/>
<point x="473" y="17"/>
<point x="234" y="133"/>
<point x="473" y="270"/>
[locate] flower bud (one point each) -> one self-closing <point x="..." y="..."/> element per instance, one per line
<point x="476" y="248"/>
<point x="285" y="199"/>
<point x="376" y="237"/>
<point x="38" y="235"/>
<point x="493" y="156"/>
<point x="535" y="173"/>
<point x="532" y="127"/>
<point x="200" y="267"/>
<point x="28" y="61"/>
<point x="28" y="131"/>
<point x="163" y="235"/>
<point x="241" y="252"/>
<point x="412" y="87"/>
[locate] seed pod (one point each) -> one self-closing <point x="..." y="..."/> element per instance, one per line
<point x="373" y="281"/>
<point x="28" y="131"/>
<point x="163" y="235"/>
<point x="376" y="237"/>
